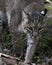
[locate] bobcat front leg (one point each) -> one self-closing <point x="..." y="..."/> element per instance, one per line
<point x="31" y="45"/>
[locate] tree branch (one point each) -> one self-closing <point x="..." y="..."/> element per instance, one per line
<point x="8" y="56"/>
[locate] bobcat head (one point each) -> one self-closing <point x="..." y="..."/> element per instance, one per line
<point x="32" y="19"/>
<point x="32" y="23"/>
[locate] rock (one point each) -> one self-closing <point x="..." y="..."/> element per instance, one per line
<point x="22" y="63"/>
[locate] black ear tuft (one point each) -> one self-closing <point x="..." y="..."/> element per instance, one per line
<point x="45" y="11"/>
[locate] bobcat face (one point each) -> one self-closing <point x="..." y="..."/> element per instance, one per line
<point x="32" y="23"/>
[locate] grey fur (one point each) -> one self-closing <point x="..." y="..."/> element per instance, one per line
<point x="14" y="11"/>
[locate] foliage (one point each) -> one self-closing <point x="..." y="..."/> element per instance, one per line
<point x="50" y="0"/>
<point x="44" y="47"/>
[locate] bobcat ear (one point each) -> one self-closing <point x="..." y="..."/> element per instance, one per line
<point x="24" y="14"/>
<point x="44" y="12"/>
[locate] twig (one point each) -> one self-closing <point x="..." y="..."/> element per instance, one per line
<point x="8" y="56"/>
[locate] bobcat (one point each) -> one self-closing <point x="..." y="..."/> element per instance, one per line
<point x="32" y="25"/>
<point x="15" y="12"/>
